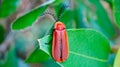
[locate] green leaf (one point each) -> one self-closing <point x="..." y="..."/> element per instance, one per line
<point x="87" y="48"/>
<point x="37" y="56"/>
<point x="80" y="15"/>
<point x="7" y="7"/>
<point x="11" y="59"/>
<point x="67" y="18"/>
<point x="2" y="34"/>
<point x="116" y="11"/>
<point x="29" y="18"/>
<point x="1" y="63"/>
<point x="51" y="63"/>
<point x="109" y="1"/>
<point x="58" y="2"/>
<point x="117" y="59"/>
<point x="99" y="19"/>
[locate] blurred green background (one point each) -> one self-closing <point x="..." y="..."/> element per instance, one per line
<point x="22" y="22"/>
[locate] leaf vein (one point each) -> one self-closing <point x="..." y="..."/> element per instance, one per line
<point x="89" y="57"/>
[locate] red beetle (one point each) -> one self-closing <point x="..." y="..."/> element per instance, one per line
<point x="60" y="43"/>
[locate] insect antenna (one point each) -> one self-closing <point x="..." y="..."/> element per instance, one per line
<point x="49" y="13"/>
<point x="63" y="8"/>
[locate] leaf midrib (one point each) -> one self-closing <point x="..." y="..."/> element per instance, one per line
<point x="88" y="57"/>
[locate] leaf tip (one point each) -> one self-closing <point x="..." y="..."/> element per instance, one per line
<point x="39" y="42"/>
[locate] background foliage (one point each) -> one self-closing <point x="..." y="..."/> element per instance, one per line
<point x="92" y="26"/>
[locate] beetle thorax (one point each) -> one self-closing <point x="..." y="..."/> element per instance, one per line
<point x="59" y="26"/>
